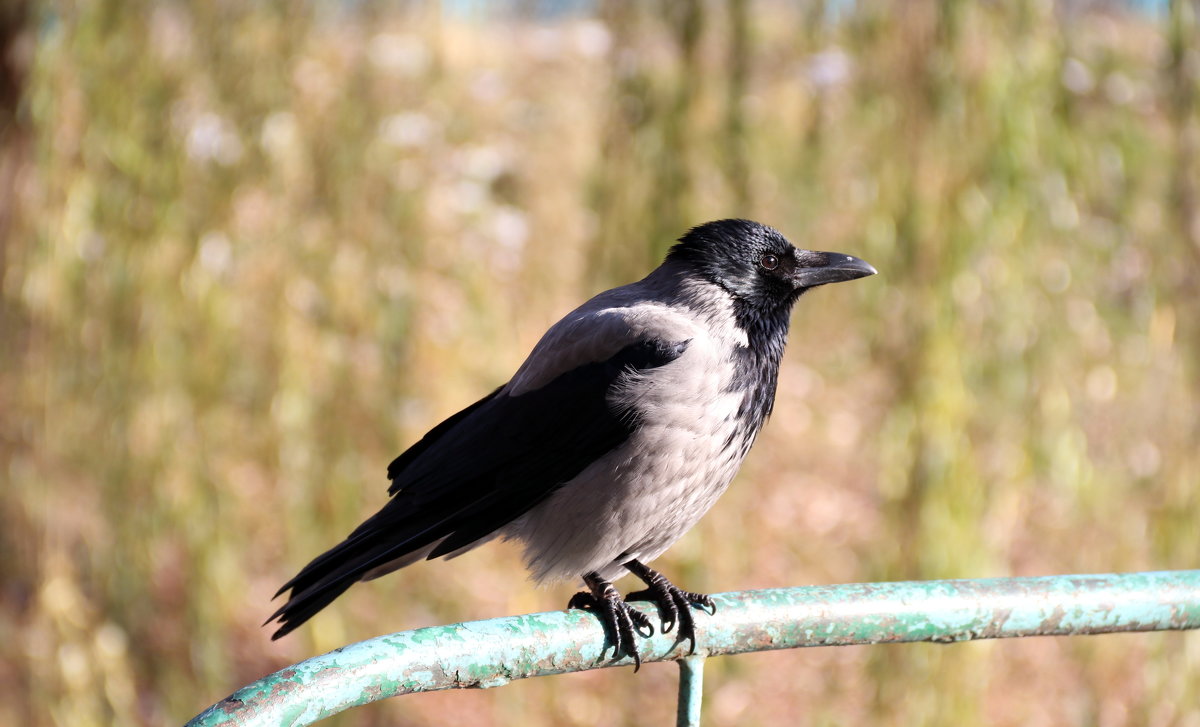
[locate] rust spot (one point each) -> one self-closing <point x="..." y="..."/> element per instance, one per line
<point x="374" y="693"/>
<point x="229" y="705"/>
<point x="279" y="690"/>
<point x="890" y="622"/>
<point x="1053" y="622"/>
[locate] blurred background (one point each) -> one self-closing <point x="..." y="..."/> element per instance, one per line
<point x="251" y="251"/>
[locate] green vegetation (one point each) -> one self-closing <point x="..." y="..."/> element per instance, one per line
<point x="252" y="250"/>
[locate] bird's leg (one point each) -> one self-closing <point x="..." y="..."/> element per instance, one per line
<point x="619" y="619"/>
<point x="674" y="602"/>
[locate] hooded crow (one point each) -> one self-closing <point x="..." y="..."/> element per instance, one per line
<point x="622" y="428"/>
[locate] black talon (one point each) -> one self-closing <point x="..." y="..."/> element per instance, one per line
<point x="620" y="620"/>
<point x="674" y="602"/>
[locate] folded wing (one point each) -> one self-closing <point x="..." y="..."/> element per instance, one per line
<point x="482" y="468"/>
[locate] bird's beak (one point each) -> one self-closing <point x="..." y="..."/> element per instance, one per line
<point x="821" y="268"/>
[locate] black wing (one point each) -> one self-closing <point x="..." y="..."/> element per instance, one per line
<point x="478" y="471"/>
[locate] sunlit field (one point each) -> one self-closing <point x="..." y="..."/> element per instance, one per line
<point x="252" y="251"/>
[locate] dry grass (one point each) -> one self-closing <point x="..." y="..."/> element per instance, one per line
<point x="256" y="250"/>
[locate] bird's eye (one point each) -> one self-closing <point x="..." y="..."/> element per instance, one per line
<point x="769" y="261"/>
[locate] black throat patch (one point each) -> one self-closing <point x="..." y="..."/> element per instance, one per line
<point x="756" y="367"/>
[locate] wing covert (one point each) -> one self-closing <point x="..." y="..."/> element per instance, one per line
<point x="481" y="469"/>
<point x="509" y="452"/>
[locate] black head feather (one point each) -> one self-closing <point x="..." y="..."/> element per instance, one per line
<point x="765" y="275"/>
<point x="737" y="255"/>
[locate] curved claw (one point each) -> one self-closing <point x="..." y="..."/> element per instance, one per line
<point x="674" y="602"/>
<point x="621" y="622"/>
<point x="666" y="602"/>
<point x="700" y="599"/>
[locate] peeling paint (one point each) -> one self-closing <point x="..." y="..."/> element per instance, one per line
<point x="485" y="654"/>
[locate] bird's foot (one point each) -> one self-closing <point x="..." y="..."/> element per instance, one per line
<point x="621" y="621"/>
<point x="674" y="603"/>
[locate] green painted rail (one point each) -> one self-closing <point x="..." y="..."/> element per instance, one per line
<point x="491" y="653"/>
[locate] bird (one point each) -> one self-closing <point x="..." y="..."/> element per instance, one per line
<point x="620" y="430"/>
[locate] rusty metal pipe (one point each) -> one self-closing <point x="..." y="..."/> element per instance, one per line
<point x="491" y="653"/>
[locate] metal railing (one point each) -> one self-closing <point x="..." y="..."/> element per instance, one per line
<point x="491" y="653"/>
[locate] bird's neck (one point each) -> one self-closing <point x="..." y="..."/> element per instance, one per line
<point x="756" y="366"/>
<point x="761" y="334"/>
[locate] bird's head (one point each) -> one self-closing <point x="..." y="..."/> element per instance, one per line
<point x="758" y="266"/>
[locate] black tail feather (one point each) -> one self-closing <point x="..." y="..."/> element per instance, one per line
<point x="383" y="538"/>
<point x="319" y="583"/>
<point x="331" y="573"/>
<point x="328" y="576"/>
<point x="304" y="606"/>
